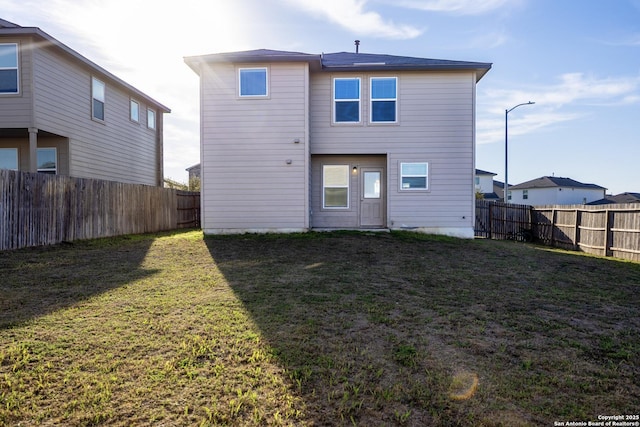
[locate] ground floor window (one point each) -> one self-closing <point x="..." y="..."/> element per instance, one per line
<point x="47" y="160"/>
<point x="335" y="186"/>
<point x="414" y="176"/>
<point x="9" y="158"/>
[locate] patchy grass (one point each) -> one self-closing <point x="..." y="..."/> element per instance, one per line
<point x="315" y="329"/>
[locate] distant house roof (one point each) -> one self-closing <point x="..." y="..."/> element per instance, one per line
<point x="11" y="29"/>
<point x="618" y="198"/>
<point x="554" y="182"/>
<point x="342" y="61"/>
<point x="481" y="172"/>
<point x="194" y="167"/>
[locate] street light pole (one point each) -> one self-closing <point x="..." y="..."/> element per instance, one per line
<point x="506" y="148"/>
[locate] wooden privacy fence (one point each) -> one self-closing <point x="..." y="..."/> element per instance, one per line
<point x="40" y="209"/>
<point x="607" y="230"/>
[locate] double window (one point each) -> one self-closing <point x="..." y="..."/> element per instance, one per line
<point x="414" y="176"/>
<point x="8" y="68"/>
<point x="335" y="186"/>
<point x="98" y="97"/>
<point x="253" y="82"/>
<point x="383" y="100"/>
<point x="46" y="159"/>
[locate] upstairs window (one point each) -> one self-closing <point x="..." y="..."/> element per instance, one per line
<point x="151" y="119"/>
<point x="47" y="160"/>
<point x="383" y="99"/>
<point x="346" y="97"/>
<point x="134" y="111"/>
<point x="8" y="68"/>
<point x="414" y="176"/>
<point x="9" y="158"/>
<point x="253" y="81"/>
<point x="97" y="95"/>
<point x="525" y="194"/>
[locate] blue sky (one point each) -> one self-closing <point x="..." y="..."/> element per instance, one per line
<point x="578" y="60"/>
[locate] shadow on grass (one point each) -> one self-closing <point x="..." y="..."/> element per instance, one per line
<point x="400" y="329"/>
<point x="38" y="281"/>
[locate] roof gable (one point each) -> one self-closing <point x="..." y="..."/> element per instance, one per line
<point x="11" y="29"/>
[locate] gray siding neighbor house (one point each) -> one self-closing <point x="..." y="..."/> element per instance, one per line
<point x="61" y="113"/>
<point x="293" y="141"/>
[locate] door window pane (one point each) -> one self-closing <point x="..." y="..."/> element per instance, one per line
<point x="372" y="185"/>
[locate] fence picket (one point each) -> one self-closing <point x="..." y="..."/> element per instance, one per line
<point x="41" y="209"/>
<point x="611" y="231"/>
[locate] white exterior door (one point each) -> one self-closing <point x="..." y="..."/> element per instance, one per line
<point x="372" y="197"/>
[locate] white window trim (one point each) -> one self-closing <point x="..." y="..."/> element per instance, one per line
<point x="409" y="176"/>
<point x="333" y="104"/>
<point x="17" y="68"/>
<point x="266" y="89"/>
<point x="17" y="156"/>
<point x="324" y="206"/>
<point x="137" y="118"/>
<point x="371" y="101"/>
<point x="104" y="100"/>
<point x="155" y="119"/>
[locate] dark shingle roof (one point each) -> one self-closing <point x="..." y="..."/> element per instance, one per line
<point x="341" y="61"/>
<point x="257" y="55"/>
<point x="618" y="198"/>
<point x="481" y="172"/>
<point x="348" y="61"/>
<point x="554" y="182"/>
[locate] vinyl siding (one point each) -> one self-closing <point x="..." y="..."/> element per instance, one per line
<point x="340" y="218"/>
<point x="247" y="184"/>
<point x="435" y="125"/>
<point x="116" y="149"/>
<point x="15" y="110"/>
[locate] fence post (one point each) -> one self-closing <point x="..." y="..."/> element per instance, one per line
<point x="490" y="220"/>
<point x="607" y="232"/>
<point x="576" y="230"/>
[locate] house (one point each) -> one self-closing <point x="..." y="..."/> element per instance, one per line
<point x="618" y="199"/>
<point x="551" y="190"/>
<point x="194" y="172"/>
<point x="62" y="114"/>
<point x="294" y="141"/>
<point x="485" y="185"/>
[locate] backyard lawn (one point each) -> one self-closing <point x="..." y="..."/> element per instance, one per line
<point x="316" y="329"/>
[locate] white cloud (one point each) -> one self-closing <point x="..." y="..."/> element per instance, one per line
<point x="557" y="103"/>
<point x="460" y="7"/>
<point x="351" y="15"/>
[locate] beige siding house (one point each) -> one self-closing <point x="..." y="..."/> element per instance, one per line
<point x="293" y="141"/>
<point x="61" y="113"/>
